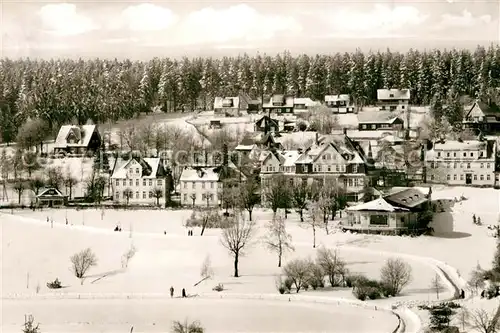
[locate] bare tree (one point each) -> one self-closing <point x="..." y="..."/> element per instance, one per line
<point x="209" y="217"/>
<point x="129" y="254"/>
<point x="301" y="193"/>
<point x="194" y="327"/>
<point x="31" y="164"/>
<point x="36" y="184"/>
<point x="298" y="271"/>
<point x="275" y="192"/>
<point x="55" y="177"/>
<point x="69" y="182"/>
<point x="237" y="238"/>
<point x="19" y="188"/>
<point x="128" y="194"/>
<point x="193" y="197"/>
<point x="436" y="284"/>
<point x="158" y="194"/>
<point x="206" y="271"/>
<point x="396" y="274"/>
<point x="82" y="262"/>
<point x="248" y="195"/>
<point x="476" y="279"/>
<point x="315" y="218"/>
<point x="462" y="317"/>
<point x="332" y="264"/>
<point x="29" y="326"/>
<point x="277" y="239"/>
<point x="483" y="322"/>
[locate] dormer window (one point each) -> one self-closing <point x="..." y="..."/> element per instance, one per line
<point x="137" y="170"/>
<point x="391" y="95"/>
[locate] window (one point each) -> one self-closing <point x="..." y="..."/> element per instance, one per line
<point x="448" y="177"/>
<point x="402" y="107"/>
<point x="137" y="182"/>
<point x="144" y="182"/>
<point x="203" y="197"/>
<point x="185" y="184"/>
<point x="363" y="126"/>
<point x="465" y="154"/>
<point x="454" y="177"/>
<point x="137" y="170"/>
<point x="117" y="195"/>
<point x="124" y="182"/>
<point x="159" y="182"/>
<point x="355" y="168"/>
<point x="455" y="165"/>
<point x="337" y="168"/>
<point x="212" y="198"/>
<point x="137" y="195"/>
<point x="475" y="177"/>
<point x="454" y="154"/>
<point x="211" y="184"/>
<point x="461" y="177"/>
<point x="329" y="168"/>
<point x="481" y="177"/>
<point x="379" y="220"/>
<point x="482" y="165"/>
<point x="468" y="165"/>
<point x="193" y="185"/>
<point x="448" y="154"/>
<point x="480" y="154"/>
<point x="356" y="183"/>
<point x="117" y="182"/>
<point x="374" y="126"/>
<point x="487" y="165"/>
<point x="488" y="177"/>
<point x="130" y="182"/>
<point x="150" y="182"/>
<point x="150" y="194"/>
<point x="439" y="154"/>
<point x="448" y="165"/>
<point x="350" y="181"/>
<point x="144" y="194"/>
<point x="203" y="185"/>
<point x="471" y="154"/>
<point x="185" y="197"/>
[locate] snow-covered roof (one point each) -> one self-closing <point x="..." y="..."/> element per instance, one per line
<point x="245" y="147"/>
<point x="82" y="133"/>
<point x="285" y="100"/>
<point x="290" y="157"/>
<point x="376" y="205"/>
<point x="50" y="191"/>
<point x="379" y="117"/>
<point x="337" y="98"/>
<point x="457" y="145"/>
<point x="395" y="94"/>
<point x="122" y="165"/>
<point x="199" y="174"/>
<point x="305" y="101"/>
<point x="355" y="134"/>
<point x="226" y="102"/>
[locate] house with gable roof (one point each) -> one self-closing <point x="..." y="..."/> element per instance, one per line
<point x="393" y="99"/>
<point x="278" y="104"/>
<point x="332" y="157"/>
<point x="76" y="139"/>
<point x="380" y="121"/>
<point x="339" y="103"/>
<point x="232" y="106"/>
<point x="483" y="117"/>
<point x="138" y="181"/>
<point x="394" y="212"/>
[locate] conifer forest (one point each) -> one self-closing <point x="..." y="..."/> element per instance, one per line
<point x="60" y="90"/>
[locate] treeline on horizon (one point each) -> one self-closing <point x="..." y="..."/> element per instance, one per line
<point x="62" y="91"/>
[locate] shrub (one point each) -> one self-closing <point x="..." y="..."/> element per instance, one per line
<point x="350" y="280"/>
<point x="288" y="284"/>
<point x="396" y="274"/>
<point x="365" y="288"/>
<point x="492" y="291"/>
<point x="219" y="287"/>
<point x="317" y="276"/>
<point x="82" y="261"/>
<point x="281" y="289"/>
<point x="56" y="284"/>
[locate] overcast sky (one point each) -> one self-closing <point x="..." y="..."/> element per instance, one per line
<point x="118" y="28"/>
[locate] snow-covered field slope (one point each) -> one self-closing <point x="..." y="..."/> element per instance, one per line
<point x="33" y="253"/>
<point x="216" y="315"/>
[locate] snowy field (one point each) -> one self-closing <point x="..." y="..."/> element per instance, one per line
<point x="173" y="259"/>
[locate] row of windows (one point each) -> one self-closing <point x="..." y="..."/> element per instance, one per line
<point x="131" y="194"/>
<point x="204" y="197"/>
<point x="464" y="154"/>
<point x="159" y="182"/>
<point x="462" y="177"/>
<point x="455" y="165"/>
<point x="193" y="184"/>
<point x="347" y="181"/>
<point x="387" y="126"/>
<point x="132" y="171"/>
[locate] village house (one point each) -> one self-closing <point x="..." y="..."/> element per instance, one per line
<point x="483" y="117"/>
<point x="392" y="213"/>
<point x="393" y="99"/>
<point x="303" y="104"/>
<point x="461" y="162"/>
<point x="139" y="181"/>
<point x="74" y="139"/>
<point x="267" y="124"/>
<point x="232" y="106"/>
<point x="380" y="121"/>
<point x="51" y="197"/>
<point x="204" y="186"/>
<point x="339" y="103"/>
<point x="329" y="158"/>
<point x="278" y="104"/>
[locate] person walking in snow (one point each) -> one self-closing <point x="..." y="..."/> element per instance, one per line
<point x="171" y="292"/>
<point x="183" y="293"/>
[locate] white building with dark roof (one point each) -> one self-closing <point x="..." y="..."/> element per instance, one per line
<point x="339" y="103"/>
<point x="138" y="181"/>
<point x="469" y="162"/>
<point x="393" y="99"/>
<point x="77" y="139"/>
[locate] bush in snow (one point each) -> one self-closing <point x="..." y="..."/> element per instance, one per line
<point x="82" y="261"/>
<point x="317" y="277"/>
<point x="56" y="284"/>
<point x="365" y="288"/>
<point x="219" y="287"/>
<point x="395" y="275"/>
<point x="29" y="326"/>
<point x="194" y="327"/>
<point x="299" y="272"/>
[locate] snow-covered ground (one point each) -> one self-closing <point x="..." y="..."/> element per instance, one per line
<point x="33" y="253"/>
